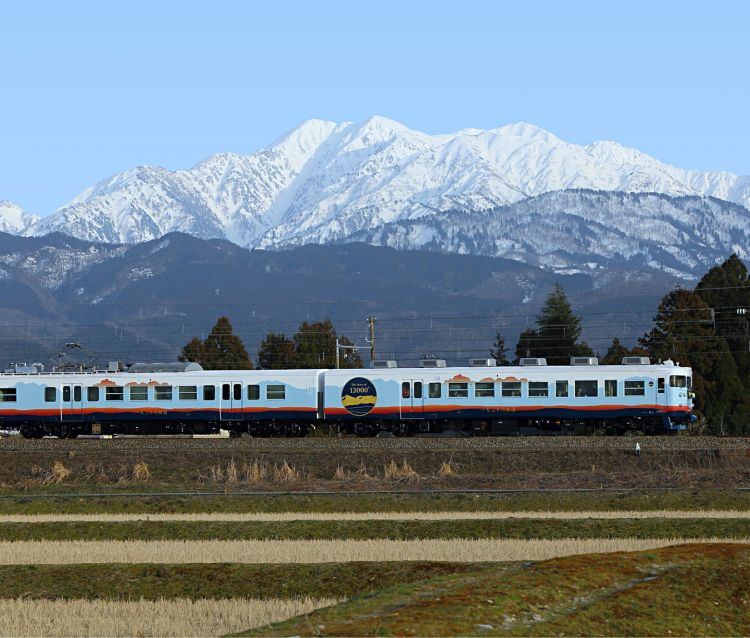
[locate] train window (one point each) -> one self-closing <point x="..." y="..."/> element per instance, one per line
<point x="138" y="393"/>
<point x="678" y="381"/>
<point x="188" y="392"/>
<point x="253" y="392"/>
<point x="405" y="390"/>
<point x="635" y="388"/>
<point x="7" y="395"/>
<point x="237" y="392"/>
<point x="417" y="389"/>
<point x="458" y="390"/>
<point x="435" y="390"/>
<point x="660" y="389"/>
<point x="610" y="388"/>
<point x="50" y="395"/>
<point x="538" y="389"/>
<point x="511" y="388"/>
<point x="689" y="383"/>
<point x="66" y="393"/>
<point x="587" y="389"/>
<point x="209" y="392"/>
<point x="114" y="393"/>
<point x="92" y="394"/>
<point x="225" y="392"/>
<point x="561" y="388"/>
<point x="484" y="389"/>
<point x="163" y="393"/>
<point x="275" y="392"/>
<point x="76" y="393"/>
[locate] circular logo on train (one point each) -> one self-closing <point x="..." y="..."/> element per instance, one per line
<point x="359" y="396"/>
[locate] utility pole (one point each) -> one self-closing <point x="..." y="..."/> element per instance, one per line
<point x="338" y="358"/>
<point x="371" y="322"/>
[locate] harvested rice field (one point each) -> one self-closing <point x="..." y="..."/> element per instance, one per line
<point x="176" y="617"/>
<point x="314" y="551"/>
<point x="375" y="564"/>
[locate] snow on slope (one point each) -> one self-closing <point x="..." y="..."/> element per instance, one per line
<point x="325" y="181"/>
<point x="14" y="219"/>
<point x="567" y="231"/>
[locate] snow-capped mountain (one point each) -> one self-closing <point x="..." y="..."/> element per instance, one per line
<point x="585" y="231"/>
<point x="14" y="219"/>
<point x="324" y="182"/>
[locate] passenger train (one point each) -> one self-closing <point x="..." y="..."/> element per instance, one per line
<point x="477" y="399"/>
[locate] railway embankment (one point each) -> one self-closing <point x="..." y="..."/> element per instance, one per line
<point x="338" y="465"/>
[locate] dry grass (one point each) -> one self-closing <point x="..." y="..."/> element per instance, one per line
<point x="141" y="472"/>
<point x="175" y="617"/>
<point x="42" y="476"/>
<point x="251" y="473"/>
<point x="319" y="551"/>
<point x="372" y="516"/>
<point x="254" y="472"/>
<point x="285" y="473"/>
<point x="447" y="469"/>
<point x="361" y="473"/>
<point x="403" y="472"/>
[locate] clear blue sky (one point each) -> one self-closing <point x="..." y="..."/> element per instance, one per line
<point x="90" y="89"/>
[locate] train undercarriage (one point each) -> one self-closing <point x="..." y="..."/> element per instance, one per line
<point x="363" y="428"/>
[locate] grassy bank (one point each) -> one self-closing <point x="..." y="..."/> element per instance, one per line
<point x="378" y="529"/>
<point x="218" y="580"/>
<point x="686" y="590"/>
<point x="14" y="502"/>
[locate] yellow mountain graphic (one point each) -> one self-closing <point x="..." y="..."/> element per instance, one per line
<point x="360" y="400"/>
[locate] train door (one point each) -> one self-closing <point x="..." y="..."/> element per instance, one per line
<point x="412" y="399"/>
<point x="230" y="403"/>
<point x="661" y="392"/>
<point x="71" y="403"/>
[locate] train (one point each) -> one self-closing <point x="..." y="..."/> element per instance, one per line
<point x="478" y="399"/>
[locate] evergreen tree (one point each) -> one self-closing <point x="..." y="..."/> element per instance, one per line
<point x="558" y="330"/>
<point x="683" y="331"/>
<point x="617" y="351"/>
<point x="499" y="351"/>
<point x="277" y="352"/>
<point x="315" y="347"/>
<point x="192" y="351"/>
<point x="223" y="350"/>
<point x="726" y="290"/>
<point x="528" y="345"/>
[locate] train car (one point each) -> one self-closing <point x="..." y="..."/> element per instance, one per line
<point x="533" y="397"/>
<point x="161" y="399"/>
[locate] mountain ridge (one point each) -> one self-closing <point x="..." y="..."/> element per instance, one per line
<point x="326" y="179"/>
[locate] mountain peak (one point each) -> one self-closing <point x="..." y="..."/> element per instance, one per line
<point x="14" y="219"/>
<point x="325" y="182"/>
<point x="524" y="129"/>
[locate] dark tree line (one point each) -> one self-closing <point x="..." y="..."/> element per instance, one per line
<point x="707" y="329"/>
<point x="312" y="346"/>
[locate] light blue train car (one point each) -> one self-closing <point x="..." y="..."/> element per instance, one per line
<point x="161" y="399"/>
<point x="614" y="398"/>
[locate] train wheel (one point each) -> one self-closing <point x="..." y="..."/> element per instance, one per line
<point x="292" y="429"/>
